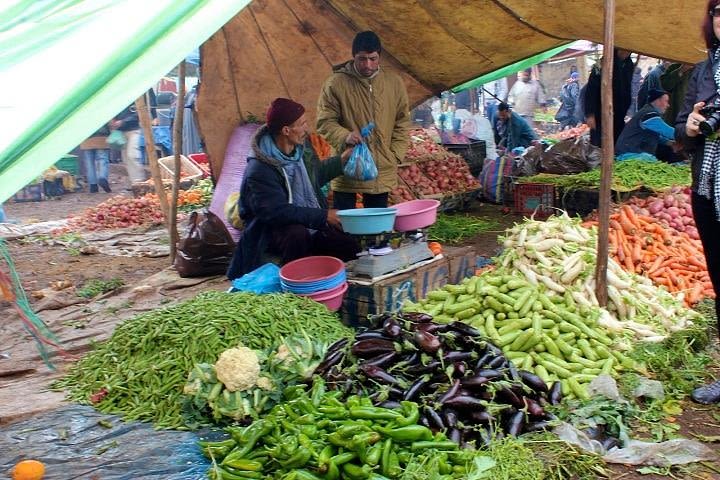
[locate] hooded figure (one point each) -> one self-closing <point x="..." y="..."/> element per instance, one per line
<point x="281" y="204"/>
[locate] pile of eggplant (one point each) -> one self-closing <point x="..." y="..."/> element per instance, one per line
<point x="463" y="383"/>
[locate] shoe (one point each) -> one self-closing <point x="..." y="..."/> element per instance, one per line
<point x="93" y="188"/>
<point x="707" y="394"/>
<point x="105" y="185"/>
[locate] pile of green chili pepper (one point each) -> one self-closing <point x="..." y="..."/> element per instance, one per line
<point x="141" y="370"/>
<point x="627" y="175"/>
<point x="453" y="229"/>
<point x="317" y="435"/>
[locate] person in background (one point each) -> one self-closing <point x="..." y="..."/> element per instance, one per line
<point x="634" y="90"/>
<point x="357" y="93"/>
<point x="477" y="127"/>
<point x="494" y="93"/>
<point x="569" y="97"/>
<point x="651" y="82"/>
<point x="96" y="159"/>
<point x="675" y="82"/>
<point x="647" y="130"/>
<point x="281" y="206"/>
<point x="704" y="87"/>
<point x="512" y="130"/>
<point x="526" y="95"/>
<point x="128" y="123"/>
<point x="623" y="69"/>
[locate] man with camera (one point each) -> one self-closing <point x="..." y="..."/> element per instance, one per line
<point x="647" y="130"/>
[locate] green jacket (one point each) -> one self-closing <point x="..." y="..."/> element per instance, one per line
<point x="348" y="102"/>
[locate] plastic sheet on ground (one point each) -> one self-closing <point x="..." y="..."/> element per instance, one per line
<point x="124" y="243"/>
<point x="73" y="444"/>
<point x="9" y="231"/>
<point x="678" y="451"/>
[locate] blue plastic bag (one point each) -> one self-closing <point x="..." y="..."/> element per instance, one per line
<point x="264" y="279"/>
<point x="361" y="165"/>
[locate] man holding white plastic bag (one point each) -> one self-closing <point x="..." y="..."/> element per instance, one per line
<point x="358" y="93"/>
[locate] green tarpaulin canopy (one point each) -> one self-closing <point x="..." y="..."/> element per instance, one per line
<point x="68" y="66"/>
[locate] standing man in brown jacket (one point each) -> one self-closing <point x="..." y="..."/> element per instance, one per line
<point x="357" y="93"/>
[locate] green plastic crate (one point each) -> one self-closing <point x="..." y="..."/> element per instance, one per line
<point x="69" y="163"/>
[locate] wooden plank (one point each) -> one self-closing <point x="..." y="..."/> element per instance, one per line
<point x="177" y="144"/>
<point x="608" y="154"/>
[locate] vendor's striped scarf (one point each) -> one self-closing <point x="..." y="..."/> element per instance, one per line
<point x="709" y="182"/>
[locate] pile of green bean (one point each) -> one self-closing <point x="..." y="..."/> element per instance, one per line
<point x="627" y="175"/>
<point x="453" y="229"/>
<point x="140" y="371"/>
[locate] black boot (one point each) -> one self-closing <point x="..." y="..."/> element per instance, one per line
<point x="707" y="394"/>
<point x="93" y="188"/>
<point x="104" y="184"/>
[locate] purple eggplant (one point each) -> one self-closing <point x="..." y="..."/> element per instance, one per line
<point x="507" y="395"/>
<point x="497" y="362"/>
<point x="436" y="422"/>
<point x="392" y="328"/>
<point x="463" y="402"/>
<point x="555" y="396"/>
<point x="450" y="418"/>
<point x="515" y="424"/>
<point x="390" y="404"/>
<point x="416" y="317"/>
<point x="427" y="342"/>
<point x="483" y="361"/>
<point x="481" y="417"/>
<point x="458" y="356"/>
<point x="395" y="393"/>
<point x="378" y="374"/>
<point x="452" y="391"/>
<point x="372" y="347"/>
<point x="464" y="328"/>
<point x="490" y="373"/>
<point x="415" y="388"/>
<point x="381" y="360"/>
<point x="455" y="435"/>
<point x="339" y="345"/>
<point x="420" y="368"/>
<point x="536" y="383"/>
<point x="369" y="334"/>
<point x="475" y="382"/>
<point x="430" y="327"/>
<point x="330" y="361"/>
<point x="424" y="421"/>
<point x="459" y="369"/>
<point x="533" y="407"/>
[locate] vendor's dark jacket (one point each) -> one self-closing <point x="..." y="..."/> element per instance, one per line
<point x="634" y="138"/>
<point x="265" y="203"/>
<point x="701" y="88"/>
<point x="518" y="132"/>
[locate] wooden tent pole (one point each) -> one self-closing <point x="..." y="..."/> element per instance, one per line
<point x="143" y="111"/>
<point x="177" y="146"/>
<point x="608" y="154"/>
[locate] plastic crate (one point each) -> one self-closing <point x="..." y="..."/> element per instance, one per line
<point x="473" y="153"/>
<point x="187" y="167"/>
<point x="539" y="199"/>
<point x="198" y="158"/>
<point x="68" y="163"/>
<point x="29" y="193"/>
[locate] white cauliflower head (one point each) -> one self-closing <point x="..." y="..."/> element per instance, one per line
<point x="238" y="368"/>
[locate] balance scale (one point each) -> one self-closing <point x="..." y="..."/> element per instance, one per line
<point x="383" y="253"/>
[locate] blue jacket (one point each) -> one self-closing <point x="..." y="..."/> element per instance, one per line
<point x="517" y="132"/>
<point x="265" y="203"/>
<point x="643" y="132"/>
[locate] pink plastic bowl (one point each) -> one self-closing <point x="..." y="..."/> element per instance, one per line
<point x="311" y="269"/>
<point x="332" y="298"/>
<point x="415" y="214"/>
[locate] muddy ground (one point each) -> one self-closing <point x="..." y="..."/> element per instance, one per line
<point x="40" y="266"/>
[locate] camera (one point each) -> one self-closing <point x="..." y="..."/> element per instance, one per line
<point x="712" y="119"/>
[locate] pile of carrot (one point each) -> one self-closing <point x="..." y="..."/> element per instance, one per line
<point x="668" y="257"/>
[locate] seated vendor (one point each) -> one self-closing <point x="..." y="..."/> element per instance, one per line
<point x="286" y="217"/>
<point x="647" y="130"/>
<point x="512" y="130"/>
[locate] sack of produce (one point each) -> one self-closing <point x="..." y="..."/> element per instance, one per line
<point x="207" y="248"/>
<point x="492" y="178"/>
<point x="361" y="165"/>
